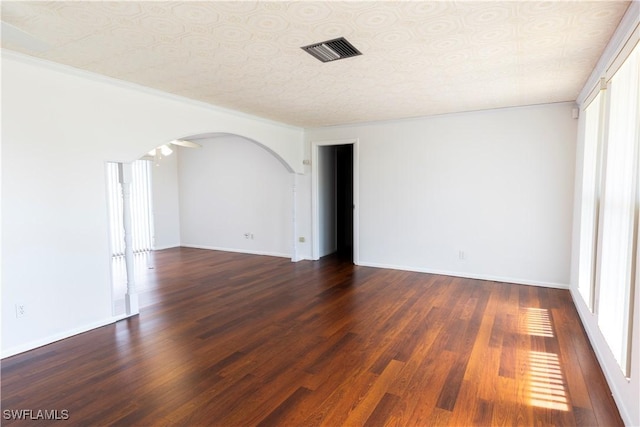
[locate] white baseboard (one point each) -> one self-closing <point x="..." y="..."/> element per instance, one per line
<point x="59" y="336"/>
<point x="467" y="275"/>
<point x="160" y="248"/>
<point x="241" y="251"/>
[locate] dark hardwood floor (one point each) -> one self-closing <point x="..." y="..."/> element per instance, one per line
<point x="240" y="340"/>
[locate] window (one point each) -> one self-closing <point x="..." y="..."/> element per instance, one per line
<point x="141" y="212"/>
<point x="590" y="199"/>
<point x="619" y="210"/>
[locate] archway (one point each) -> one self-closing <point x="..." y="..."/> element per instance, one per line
<point x="209" y="135"/>
<point x="266" y="203"/>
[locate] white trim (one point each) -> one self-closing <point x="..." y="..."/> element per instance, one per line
<point x="162" y="248"/>
<point x="315" y="205"/>
<point x="294" y="217"/>
<point x="235" y="250"/>
<point x="598" y="90"/>
<point x="487" y="277"/>
<point x="108" y="257"/>
<point x="597" y="344"/>
<point x="445" y="114"/>
<point x="625" y="29"/>
<point x="66" y="69"/>
<point x="60" y="336"/>
<point x="624" y="53"/>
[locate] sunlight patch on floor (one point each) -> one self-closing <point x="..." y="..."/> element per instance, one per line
<point x="545" y="381"/>
<point x="545" y="384"/>
<point x="536" y="321"/>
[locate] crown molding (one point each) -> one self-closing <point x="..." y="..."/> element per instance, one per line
<point x="99" y="78"/>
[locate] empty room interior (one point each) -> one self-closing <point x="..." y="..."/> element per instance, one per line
<point x="297" y="213"/>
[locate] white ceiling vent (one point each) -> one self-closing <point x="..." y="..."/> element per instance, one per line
<point x="332" y="50"/>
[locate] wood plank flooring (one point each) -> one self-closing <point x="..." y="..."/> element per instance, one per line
<point x="240" y="340"/>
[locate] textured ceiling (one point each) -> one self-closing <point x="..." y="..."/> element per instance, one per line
<point x="419" y="58"/>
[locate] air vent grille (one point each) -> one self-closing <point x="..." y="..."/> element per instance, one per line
<point x="332" y="50"/>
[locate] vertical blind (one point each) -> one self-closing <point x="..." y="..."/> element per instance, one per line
<point x="618" y="240"/>
<point x="610" y="206"/>
<point x="141" y="208"/>
<point x="590" y="199"/>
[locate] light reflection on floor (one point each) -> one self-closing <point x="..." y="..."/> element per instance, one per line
<point x="546" y="387"/>
<point x="545" y="381"/>
<point x="536" y="322"/>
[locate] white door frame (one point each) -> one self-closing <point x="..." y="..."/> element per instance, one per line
<point x="315" y="202"/>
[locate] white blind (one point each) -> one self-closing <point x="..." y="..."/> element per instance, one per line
<point x="141" y="210"/>
<point x="619" y="209"/>
<point x="590" y="198"/>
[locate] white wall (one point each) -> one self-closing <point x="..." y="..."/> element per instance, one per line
<point x="626" y="391"/>
<point x="232" y="186"/>
<point x="166" y="209"/>
<point x="59" y="126"/>
<point x="328" y="203"/>
<point x="497" y="185"/>
<point x="303" y="215"/>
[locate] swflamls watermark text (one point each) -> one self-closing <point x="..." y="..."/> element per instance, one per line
<point x="35" y="414"/>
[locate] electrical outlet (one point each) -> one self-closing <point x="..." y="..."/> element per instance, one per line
<point x="21" y="310"/>
<point x="461" y="255"/>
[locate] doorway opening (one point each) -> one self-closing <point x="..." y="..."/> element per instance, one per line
<point x="335" y="201"/>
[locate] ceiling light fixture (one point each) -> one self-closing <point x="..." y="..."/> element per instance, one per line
<point x="165" y="149"/>
<point x="332" y="50"/>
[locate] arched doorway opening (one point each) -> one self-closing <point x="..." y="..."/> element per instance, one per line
<point x="232" y="194"/>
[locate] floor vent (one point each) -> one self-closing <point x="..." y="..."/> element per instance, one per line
<point x="332" y="50"/>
